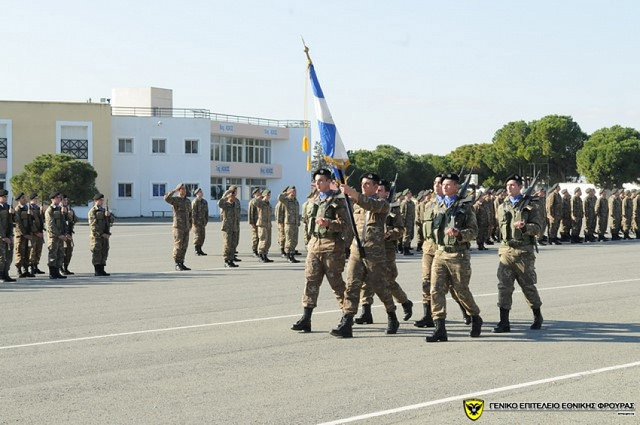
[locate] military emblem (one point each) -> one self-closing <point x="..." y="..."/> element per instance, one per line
<point x="473" y="408"/>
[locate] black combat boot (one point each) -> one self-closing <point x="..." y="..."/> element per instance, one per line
<point x="52" y="273"/>
<point x="66" y="270"/>
<point x="476" y="326"/>
<point x="344" y="328"/>
<point x="465" y="316"/>
<point x="236" y="259"/>
<point x="503" y="325"/>
<point x="439" y="333"/>
<point x="96" y="269"/>
<point x="104" y="272"/>
<point x="282" y="253"/>
<point x="407" y="308"/>
<point x="392" y="323"/>
<point x="296" y="252"/>
<point x="292" y="259"/>
<point x="230" y="264"/>
<point x="266" y="259"/>
<point x="304" y="324"/>
<point x="626" y="235"/>
<point x="537" y="319"/>
<point x="185" y="268"/>
<point x="407" y="251"/>
<point x="427" y="320"/>
<point x="36" y="270"/>
<point x="5" y="277"/>
<point x="366" y="318"/>
<point x="20" y="272"/>
<point x="419" y="247"/>
<point x="60" y="275"/>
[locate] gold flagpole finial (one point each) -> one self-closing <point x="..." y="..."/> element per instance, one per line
<point x="306" y="50"/>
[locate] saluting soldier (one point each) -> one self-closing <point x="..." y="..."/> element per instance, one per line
<point x="100" y="222"/>
<point x="228" y="216"/>
<point x="615" y="210"/>
<point x="627" y="214"/>
<point x="252" y="215"/>
<point x="590" y="216"/>
<point x="23" y="235"/>
<point x="602" y="212"/>
<point x="57" y="235"/>
<point x="454" y="226"/>
<point x="6" y="237"/>
<point x="264" y="226"/>
<point x="182" y="221"/>
<point x="565" y="223"/>
<point x="326" y="218"/>
<point x="553" y="207"/>
<point x="71" y="219"/>
<point x="521" y="225"/>
<point x="408" y="211"/>
<point x="200" y="213"/>
<point x="37" y="227"/>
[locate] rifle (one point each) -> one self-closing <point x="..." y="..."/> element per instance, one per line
<point x="526" y="200"/>
<point x="458" y="203"/>
<point x="392" y="190"/>
<point x="108" y="220"/>
<point x="352" y="221"/>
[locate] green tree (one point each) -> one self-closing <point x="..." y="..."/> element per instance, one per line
<point x="48" y="173"/>
<point x="512" y="154"/>
<point x="317" y="158"/>
<point x="610" y="157"/>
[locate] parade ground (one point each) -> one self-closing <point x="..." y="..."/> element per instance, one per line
<point x="150" y="345"/>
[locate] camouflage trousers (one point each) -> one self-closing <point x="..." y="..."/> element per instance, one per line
<point x="451" y="270"/>
<point x="254" y="239"/>
<point x="517" y="264"/>
<point x="36" y="250"/>
<point x="419" y="234"/>
<point x="282" y="236"/>
<point x="576" y="226"/>
<point x="602" y="225"/>
<point x="68" y="252"/>
<point x="553" y="229"/>
<point x="590" y="227"/>
<point x="228" y="250"/>
<point x="429" y="252"/>
<point x="565" y="227"/>
<point x="199" y="234"/>
<point x="6" y="256"/>
<point x="616" y="222"/>
<point x="56" y="252"/>
<point x="180" y="244"/>
<point x="264" y="236"/>
<point x="319" y="265"/>
<point x="389" y="279"/>
<point x="22" y="251"/>
<point x="99" y="248"/>
<point x="370" y="270"/>
<point x="291" y="237"/>
<point x="626" y="223"/>
<point x="407" y="236"/>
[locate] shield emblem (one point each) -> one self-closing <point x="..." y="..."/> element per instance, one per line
<point x="473" y="408"/>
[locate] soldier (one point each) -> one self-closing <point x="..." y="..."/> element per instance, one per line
<point x="393" y="231"/>
<point x="291" y="223"/>
<point x="23" y="235"/>
<point x="228" y="219"/>
<point x="636" y="213"/>
<point x="501" y="194"/>
<point x="482" y="217"/>
<point x="520" y="227"/>
<point x="492" y="217"/>
<point x="454" y="226"/>
<point x="252" y="215"/>
<point x="6" y="237"/>
<point x="200" y="214"/>
<point x="590" y="216"/>
<point x="369" y="214"/>
<point x="182" y="220"/>
<point x="565" y="223"/>
<point x="37" y="227"/>
<point x="627" y="214"/>
<point x="308" y="205"/>
<point x="100" y="221"/>
<point x="577" y="213"/>
<point x="57" y="235"/>
<point x="70" y="221"/>
<point x="553" y="208"/>
<point x="326" y="218"/>
<point x="279" y="216"/>
<point x="541" y="194"/>
<point x="602" y="212"/>
<point x="615" y="210"/>
<point x="408" y="212"/>
<point x="264" y="226"/>
<point x="419" y="209"/>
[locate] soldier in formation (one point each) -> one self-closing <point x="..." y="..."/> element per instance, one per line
<point x="553" y="208"/>
<point x="615" y="211"/>
<point x="229" y="219"/>
<point x="71" y="219"/>
<point x="200" y="213"/>
<point x="290" y="223"/>
<point x="55" y="223"/>
<point x="252" y="216"/>
<point x="590" y="216"/>
<point x="627" y="214"/>
<point x="264" y="226"/>
<point x="37" y="228"/>
<point x="23" y="235"/>
<point x="182" y="221"/>
<point x="279" y="212"/>
<point x="100" y="222"/>
<point x="602" y="212"/>
<point x="6" y="237"/>
<point x="577" y="213"/>
<point x="419" y="209"/>
<point x="408" y="212"/>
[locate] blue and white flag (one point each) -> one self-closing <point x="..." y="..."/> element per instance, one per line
<point x="332" y="147"/>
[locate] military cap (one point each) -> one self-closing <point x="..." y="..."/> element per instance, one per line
<point x="19" y="195"/>
<point x="98" y="196"/>
<point x="590" y="190"/>
<point x="266" y="192"/>
<point x="54" y="195"/>
<point x="3" y="192"/>
<point x="195" y="192"/>
<point x="437" y="175"/>
<point x="420" y="194"/>
<point x="397" y="196"/>
<point x="428" y="192"/>
<point x="405" y="192"/>
<point x="322" y="172"/>
<point x="563" y="191"/>
<point x="64" y="196"/>
<point x="285" y="189"/>
<point x="292" y="188"/>
<point x="233" y="188"/>
<point x="227" y="193"/>
<point x="386" y="184"/>
<point x="370" y="176"/>
<point x="451" y="176"/>
<point x="576" y="190"/>
<point x="33" y="195"/>
<point x="514" y="177"/>
<point x="627" y="192"/>
<point x="554" y="187"/>
<point x="255" y="190"/>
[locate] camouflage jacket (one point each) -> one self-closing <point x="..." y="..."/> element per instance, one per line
<point x="228" y="215"/>
<point x="200" y="212"/>
<point x="182" y="218"/>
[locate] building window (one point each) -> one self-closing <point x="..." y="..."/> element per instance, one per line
<point x="191" y="146"/>
<point x="159" y="146"/>
<point x="259" y="183"/>
<point x="237" y="149"/>
<point x="191" y="187"/>
<point x="158" y="190"/>
<point x="78" y="148"/>
<point x="258" y="151"/>
<point x="125" y="190"/>
<point x="3" y="147"/>
<point x="216" y="188"/>
<point x="125" y="145"/>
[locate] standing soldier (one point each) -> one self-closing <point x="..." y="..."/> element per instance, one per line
<point x="482" y="217"/>
<point x="520" y="226"/>
<point x="280" y="213"/>
<point x="553" y="208"/>
<point x="419" y="210"/>
<point x="200" y="214"/>
<point x="182" y="221"/>
<point x="100" y="221"/>
<point x="627" y="214"/>
<point x="497" y="201"/>
<point x="577" y="213"/>
<point x="37" y="228"/>
<point x="6" y="237"/>
<point x="590" y="216"/>
<point x="57" y="235"/>
<point x="326" y="218"/>
<point x="602" y="212"/>
<point x="408" y="212"/>
<point x="252" y="215"/>
<point x="23" y="235"/>
<point x="228" y="218"/>
<point x="565" y="223"/>
<point x="291" y="223"/>
<point x="70" y="221"/>
<point x="454" y="226"/>
<point x="264" y="226"/>
<point x="636" y="213"/>
<point x="615" y="210"/>
<point x="307" y="206"/>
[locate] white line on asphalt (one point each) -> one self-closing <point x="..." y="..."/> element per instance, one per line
<point x="480" y="393"/>
<point x="236" y="322"/>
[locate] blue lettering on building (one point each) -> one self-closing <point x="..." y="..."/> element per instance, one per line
<point x="226" y="127"/>
<point x="223" y="169"/>
<point x="266" y="171"/>
<point x="271" y="132"/>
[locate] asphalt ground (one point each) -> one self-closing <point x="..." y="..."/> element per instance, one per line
<point x="150" y="345"/>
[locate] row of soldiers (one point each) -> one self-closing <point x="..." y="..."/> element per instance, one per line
<point x="22" y="230"/>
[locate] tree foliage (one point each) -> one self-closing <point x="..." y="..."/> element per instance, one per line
<point x="317" y="158"/>
<point x="48" y="173"/>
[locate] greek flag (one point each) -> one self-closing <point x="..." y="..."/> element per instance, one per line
<point x="332" y="147"/>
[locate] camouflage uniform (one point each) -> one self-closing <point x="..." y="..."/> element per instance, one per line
<point x="182" y="221"/>
<point x="553" y="207"/>
<point x="590" y="216"/>
<point x="627" y="214"/>
<point x="55" y="223"/>
<point x="228" y="218"/>
<point x="264" y="226"/>
<point x="99" y="225"/>
<point x="279" y="216"/>
<point x="70" y="221"/>
<point x="419" y="212"/>
<point x="408" y="212"/>
<point x="577" y="213"/>
<point x="482" y="217"/>
<point x="291" y="225"/>
<point x="6" y="231"/>
<point x="602" y="212"/>
<point x="200" y="214"/>
<point x="615" y="211"/>
<point x="37" y="217"/>
<point x="23" y="237"/>
<point x="565" y="224"/>
<point x="252" y="216"/>
<point x="636" y="215"/>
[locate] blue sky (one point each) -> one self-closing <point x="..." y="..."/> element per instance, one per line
<point x="425" y="76"/>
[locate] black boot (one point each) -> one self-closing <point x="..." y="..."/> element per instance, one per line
<point x="267" y="259"/>
<point x="60" y="275"/>
<point x="476" y="326"/>
<point x="407" y="308"/>
<point x="392" y="323"/>
<point x="230" y="264"/>
<point x="66" y="270"/>
<point x="35" y="270"/>
<point x="626" y="235"/>
<point x="537" y="319"/>
<point x="439" y="333"/>
<point x="406" y="251"/>
<point x="427" y="320"/>
<point x="5" y="277"/>
<point x="52" y="273"/>
<point x="21" y="273"/>
<point x="419" y="247"/>
<point x="344" y="328"/>
<point x="104" y="272"/>
<point x="465" y="316"/>
<point x="366" y="318"/>
<point x="503" y="325"/>
<point x="235" y="258"/>
<point x="96" y="270"/>
<point x="185" y="268"/>
<point x="292" y="259"/>
<point x="304" y="324"/>
<point x="283" y="254"/>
